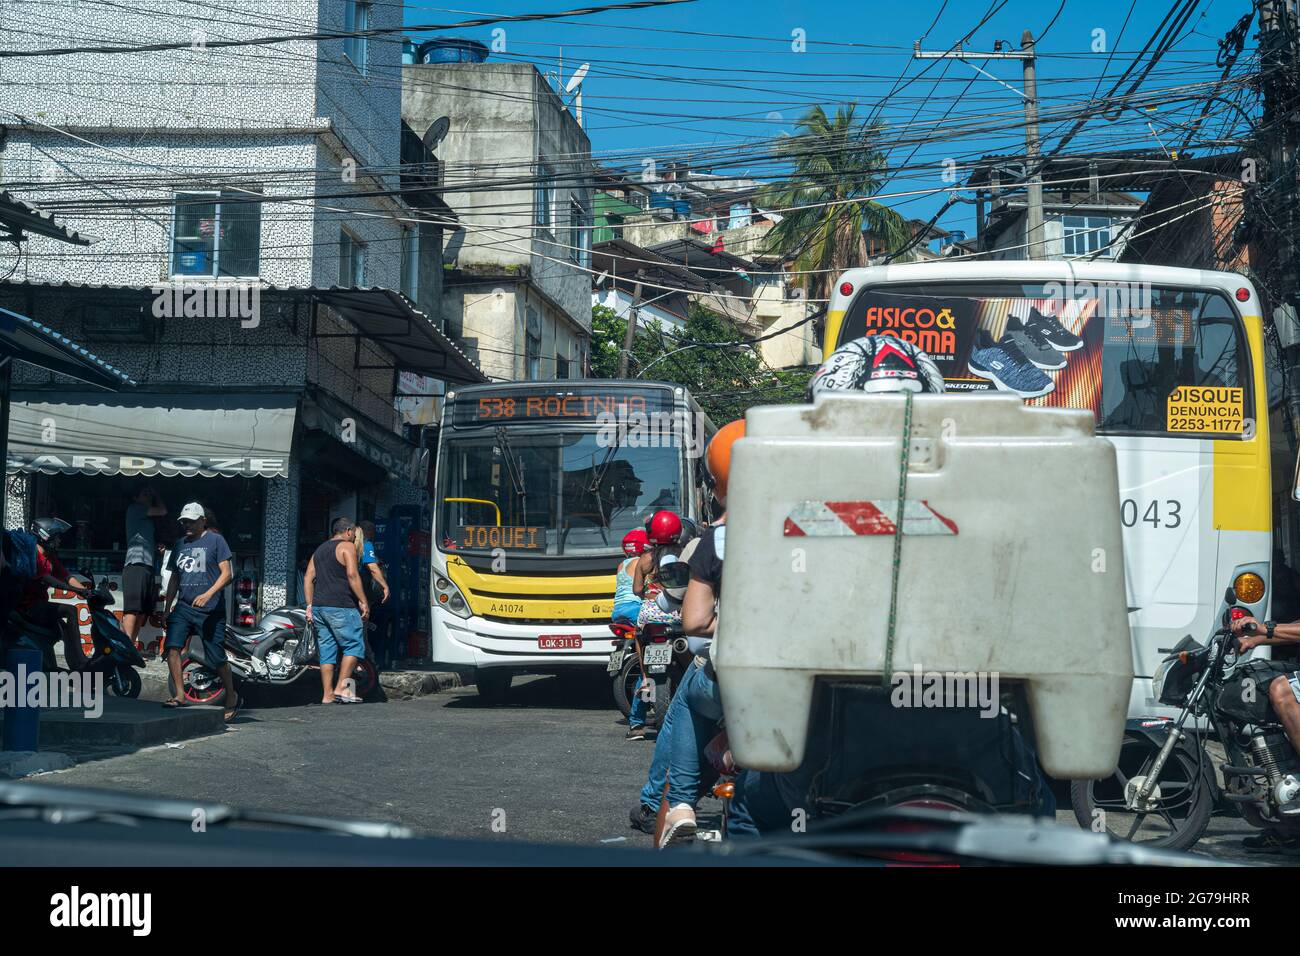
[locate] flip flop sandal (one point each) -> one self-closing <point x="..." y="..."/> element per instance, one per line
<point x="232" y="712"/>
<point x="172" y="703"/>
<point x="341" y="699"/>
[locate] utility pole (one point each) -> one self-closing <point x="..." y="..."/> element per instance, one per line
<point x="629" y="338"/>
<point x="1027" y="57"/>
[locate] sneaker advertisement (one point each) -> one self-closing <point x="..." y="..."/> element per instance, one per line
<point x="1037" y="348"/>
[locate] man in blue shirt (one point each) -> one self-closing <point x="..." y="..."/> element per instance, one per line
<point x="200" y="570"/>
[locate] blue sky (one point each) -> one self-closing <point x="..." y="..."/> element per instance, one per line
<point x="699" y="78"/>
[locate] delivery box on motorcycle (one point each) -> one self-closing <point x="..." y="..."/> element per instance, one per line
<point x="1011" y="567"/>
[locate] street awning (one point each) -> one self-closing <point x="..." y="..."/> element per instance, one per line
<point x="416" y="343"/>
<point x="169" y="435"/>
<point x="28" y="341"/>
<point x="380" y="447"/>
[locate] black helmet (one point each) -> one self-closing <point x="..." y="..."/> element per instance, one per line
<point x="876" y="363"/>
<point x="46" y="529"/>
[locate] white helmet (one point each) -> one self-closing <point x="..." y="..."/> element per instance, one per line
<point x="876" y="363"/>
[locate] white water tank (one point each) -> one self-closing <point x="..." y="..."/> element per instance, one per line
<point x="1011" y="565"/>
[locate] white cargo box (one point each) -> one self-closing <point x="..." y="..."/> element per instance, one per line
<point x="1011" y="565"/>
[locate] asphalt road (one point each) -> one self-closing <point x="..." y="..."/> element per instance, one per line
<point x="552" y="766"/>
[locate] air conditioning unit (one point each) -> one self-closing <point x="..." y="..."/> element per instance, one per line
<point x="1288" y="327"/>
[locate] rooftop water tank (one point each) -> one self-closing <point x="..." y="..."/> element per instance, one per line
<point x="451" y="50"/>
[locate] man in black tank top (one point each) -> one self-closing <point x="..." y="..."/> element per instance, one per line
<point x="337" y="606"/>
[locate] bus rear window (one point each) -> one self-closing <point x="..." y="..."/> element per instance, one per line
<point x="1143" y="359"/>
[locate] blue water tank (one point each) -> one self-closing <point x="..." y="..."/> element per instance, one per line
<point x="408" y="52"/>
<point x="451" y="50"/>
<point x="682" y="207"/>
<point x="661" y="201"/>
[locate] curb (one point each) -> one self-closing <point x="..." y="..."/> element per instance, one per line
<point x="404" y="685"/>
<point x="16" y="764"/>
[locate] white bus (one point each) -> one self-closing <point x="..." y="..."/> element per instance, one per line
<point x="1171" y="363"/>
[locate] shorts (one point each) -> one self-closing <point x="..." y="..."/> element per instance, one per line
<point x="1294" y="681"/>
<point x="186" y="621"/>
<point x="139" y="593"/>
<point x="626" y="612"/>
<point x="338" y="629"/>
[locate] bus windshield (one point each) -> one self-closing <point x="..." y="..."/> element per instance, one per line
<point x="1144" y="359"/>
<point x="550" y="492"/>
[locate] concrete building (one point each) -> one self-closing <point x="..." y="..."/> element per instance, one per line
<point x="214" y="179"/>
<point x="517" y="170"/>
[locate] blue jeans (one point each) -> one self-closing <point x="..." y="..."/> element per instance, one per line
<point x="636" y="717"/>
<point x="659" y="763"/>
<point x="702" y="710"/>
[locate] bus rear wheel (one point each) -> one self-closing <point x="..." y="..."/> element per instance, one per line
<point x="493" y="685"/>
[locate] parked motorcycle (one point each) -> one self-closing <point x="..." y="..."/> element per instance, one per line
<point x="114" y="654"/>
<point x="1165" y="788"/>
<point x="262" y="657"/>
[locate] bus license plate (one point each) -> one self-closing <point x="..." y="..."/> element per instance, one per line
<point x="560" y="642"/>
<point x="658" y="655"/>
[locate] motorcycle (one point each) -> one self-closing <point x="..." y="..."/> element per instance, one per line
<point x="1166" y="777"/>
<point x="114" y="654"/>
<point x="262" y="656"/>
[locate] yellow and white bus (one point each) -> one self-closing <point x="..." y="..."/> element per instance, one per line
<point x="1171" y="363"/>
<point x="537" y="483"/>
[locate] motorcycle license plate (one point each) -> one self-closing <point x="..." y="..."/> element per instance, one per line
<point x="658" y="655"/>
<point x="560" y="642"/>
<point x="615" y="662"/>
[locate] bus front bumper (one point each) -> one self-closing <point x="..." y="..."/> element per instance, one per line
<point x="481" y="643"/>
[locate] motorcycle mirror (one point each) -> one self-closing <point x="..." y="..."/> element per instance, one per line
<point x="1230" y="596"/>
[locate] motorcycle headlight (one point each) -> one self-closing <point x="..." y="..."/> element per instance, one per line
<point x="448" y="596"/>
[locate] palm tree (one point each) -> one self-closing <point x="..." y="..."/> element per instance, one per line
<point x="837" y="167"/>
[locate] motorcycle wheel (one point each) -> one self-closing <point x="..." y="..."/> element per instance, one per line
<point x="367" y="677"/>
<point x="125" y="681"/>
<point x="202" y="684"/>
<point x="663" y="697"/>
<point x="1181" y="813"/>
<point x="625" y="684"/>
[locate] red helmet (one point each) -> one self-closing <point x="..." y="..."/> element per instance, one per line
<point x="665" y="527"/>
<point x="635" y="541"/>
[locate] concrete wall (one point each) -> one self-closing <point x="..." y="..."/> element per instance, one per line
<point x="493" y="317"/>
<point x="504" y="117"/>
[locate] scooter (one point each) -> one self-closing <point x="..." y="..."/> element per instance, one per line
<point x="114" y="655"/>
<point x="263" y="656"/>
<point x="658" y="651"/>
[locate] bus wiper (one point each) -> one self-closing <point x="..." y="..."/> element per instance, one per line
<point x="512" y="468"/>
<point x="599" y="477"/>
<point x="35" y="801"/>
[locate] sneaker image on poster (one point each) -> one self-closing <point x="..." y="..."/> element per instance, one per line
<point x="1031" y="342"/>
<point x="1050" y="328"/>
<point x="1003" y="364"/>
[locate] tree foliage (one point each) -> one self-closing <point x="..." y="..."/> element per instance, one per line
<point x="837" y="164"/>
<point x="725" y="381"/>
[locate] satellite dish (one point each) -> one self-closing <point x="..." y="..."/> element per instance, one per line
<point x="435" y="133"/>
<point x="578" y="76"/>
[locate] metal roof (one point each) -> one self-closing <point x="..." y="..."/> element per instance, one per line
<point x="17" y="218"/>
<point x="28" y="341"/>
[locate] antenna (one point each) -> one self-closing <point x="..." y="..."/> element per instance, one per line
<point x="435" y="133"/>
<point x="575" y="86"/>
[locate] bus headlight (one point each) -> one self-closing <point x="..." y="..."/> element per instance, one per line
<point x="1249" y="587"/>
<point x="448" y="596"/>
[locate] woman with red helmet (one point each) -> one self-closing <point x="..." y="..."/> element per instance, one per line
<point x="627" y="608"/>
<point x="663" y="531"/>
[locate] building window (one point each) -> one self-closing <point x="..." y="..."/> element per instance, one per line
<point x="216" y="234"/>
<point x="545" y="194"/>
<point x="356" y="19"/>
<point x="561" y="366"/>
<point x="533" y="353"/>
<point x="579" y="234"/>
<point x="1084" y="235"/>
<point x="352" y="260"/>
<point x="410" y="262"/>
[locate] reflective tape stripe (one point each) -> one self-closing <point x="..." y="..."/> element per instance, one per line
<point x="823" y="519"/>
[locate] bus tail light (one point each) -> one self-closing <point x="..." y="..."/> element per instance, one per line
<point x="1249" y="587"/>
<point x="846" y="288"/>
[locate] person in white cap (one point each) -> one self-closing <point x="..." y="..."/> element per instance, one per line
<point x="200" y="570"/>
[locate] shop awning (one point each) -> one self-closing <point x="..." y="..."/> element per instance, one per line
<point x="380" y="447"/>
<point x="417" y="344"/>
<point x="28" y="341"/>
<point x="169" y="435"/>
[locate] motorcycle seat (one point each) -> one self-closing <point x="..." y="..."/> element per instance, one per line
<point x="245" y="632"/>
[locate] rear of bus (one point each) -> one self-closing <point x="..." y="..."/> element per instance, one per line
<point x="537" y="484"/>
<point x="1171" y="363"/>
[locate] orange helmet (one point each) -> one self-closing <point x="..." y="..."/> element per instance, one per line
<point x="717" y="457"/>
